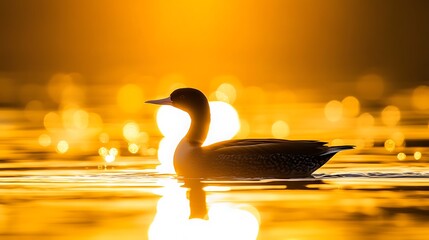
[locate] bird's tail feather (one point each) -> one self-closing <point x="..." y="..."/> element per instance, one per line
<point x="336" y="149"/>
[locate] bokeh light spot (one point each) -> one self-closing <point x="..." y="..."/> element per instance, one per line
<point x="420" y="97"/>
<point x="417" y="155"/>
<point x="52" y="121"/>
<point x="75" y="119"/>
<point x="109" y="158"/>
<point x="109" y="155"/>
<point x="131" y="131"/>
<point x="389" y="144"/>
<point x="103" y="151"/>
<point x="401" y="156"/>
<point x="390" y="116"/>
<point x="333" y="111"/>
<point x="62" y="146"/>
<point x="80" y="119"/>
<point x="133" y="148"/>
<point x="351" y="106"/>
<point x="113" y="152"/>
<point x="366" y="120"/>
<point x="226" y="92"/>
<point x="280" y="129"/>
<point x="45" y="140"/>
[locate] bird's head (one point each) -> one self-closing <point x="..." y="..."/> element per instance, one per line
<point x="189" y="100"/>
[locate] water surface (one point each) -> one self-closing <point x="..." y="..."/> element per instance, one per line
<point x="367" y="193"/>
<point x="349" y="198"/>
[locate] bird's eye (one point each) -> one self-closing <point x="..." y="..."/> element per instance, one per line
<point x="182" y="97"/>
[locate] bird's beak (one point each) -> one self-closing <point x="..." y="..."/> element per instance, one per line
<point x="164" y="101"/>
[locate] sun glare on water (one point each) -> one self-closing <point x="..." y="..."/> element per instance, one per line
<point x="174" y="124"/>
<point x="224" y="221"/>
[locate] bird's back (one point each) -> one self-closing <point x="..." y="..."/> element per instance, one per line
<point x="266" y="158"/>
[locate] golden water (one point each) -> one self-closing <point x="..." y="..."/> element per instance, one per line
<point x="361" y="194"/>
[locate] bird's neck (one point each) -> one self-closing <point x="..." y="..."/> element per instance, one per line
<point x="200" y="122"/>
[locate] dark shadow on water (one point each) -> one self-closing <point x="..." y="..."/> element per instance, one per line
<point x="267" y="184"/>
<point x="300" y="184"/>
<point x="197" y="195"/>
<point x="197" y="198"/>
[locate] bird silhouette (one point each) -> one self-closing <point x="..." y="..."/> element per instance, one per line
<point x="240" y="158"/>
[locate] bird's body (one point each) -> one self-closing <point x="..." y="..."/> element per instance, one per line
<point x="250" y="158"/>
<point x="243" y="158"/>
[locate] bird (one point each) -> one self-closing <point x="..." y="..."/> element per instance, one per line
<point x="239" y="158"/>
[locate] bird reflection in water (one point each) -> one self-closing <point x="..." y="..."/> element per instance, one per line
<point x="183" y="213"/>
<point x="197" y="199"/>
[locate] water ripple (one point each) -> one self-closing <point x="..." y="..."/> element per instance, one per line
<point x="374" y="175"/>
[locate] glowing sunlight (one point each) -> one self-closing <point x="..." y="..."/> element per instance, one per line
<point x="172" y="129"/>
<point x="225" y="124"/>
